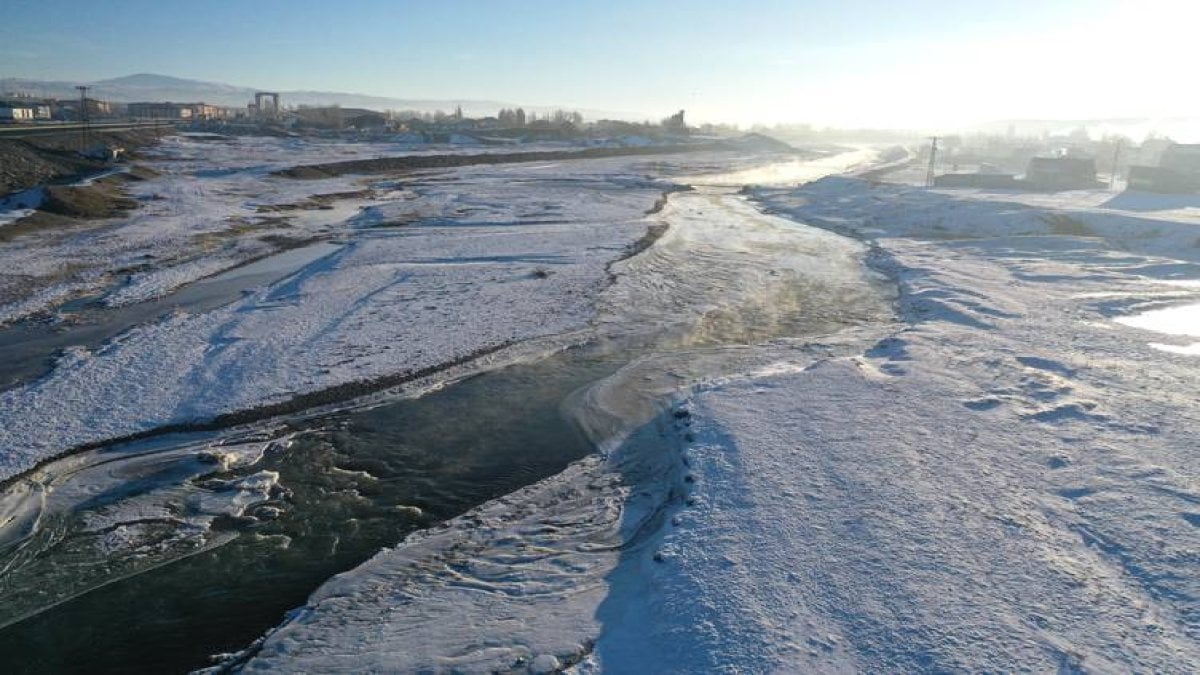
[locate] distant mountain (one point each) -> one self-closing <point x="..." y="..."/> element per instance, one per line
<point x="151" y="87"/>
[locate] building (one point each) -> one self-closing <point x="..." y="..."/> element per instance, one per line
<point x="42" y="108"/>
<point x="988" y="181"/>
<point x="161" y="111"/>
<point x="1181" y="157"/>
<point x="205" y="111"/>
<point x="16" y="112"/>
<point x="1178" y="171"/>
<point x="1162" y="180"/>
<point x="368" y="122"/>
<point x="1061" y="173"/>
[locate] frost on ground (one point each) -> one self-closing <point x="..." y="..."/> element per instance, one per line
<point x="1004" y="482"/>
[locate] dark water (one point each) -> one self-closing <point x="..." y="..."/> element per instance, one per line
<point x="30" y="347"/>
<point x="350" y="478"/>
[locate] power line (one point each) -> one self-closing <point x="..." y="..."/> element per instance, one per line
<point x="932" y="158"/>
<point x="83" y="117"/>
<point x="1112" y="179"/>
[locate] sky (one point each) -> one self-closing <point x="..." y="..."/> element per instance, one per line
<point x="848" y="63"/>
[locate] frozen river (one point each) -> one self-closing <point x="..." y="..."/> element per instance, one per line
<point x="252" y="519"/>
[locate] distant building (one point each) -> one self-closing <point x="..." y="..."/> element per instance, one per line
<point x="96" y="109"/>
<point x="161" y="111"/>
<point x="1162" y="180"/>
<point x="1178" y="171"/>
<point x="1061" y="173"/>
<point x="204" y="111"/>
<point x="368" y="121"/>
<point x="990" y="181"/>
<point x="42" y="108"/>
<point x="15" y="112"/>
<point x="1181" y="157"/>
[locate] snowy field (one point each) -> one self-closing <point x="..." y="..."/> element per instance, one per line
<point x="1004" y="480"/>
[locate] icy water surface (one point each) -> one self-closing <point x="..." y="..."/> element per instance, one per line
<point x="167" y="549"/>
<point x="204" y="542"/>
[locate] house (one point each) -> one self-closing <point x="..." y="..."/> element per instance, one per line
<point x="1061" y="173"/>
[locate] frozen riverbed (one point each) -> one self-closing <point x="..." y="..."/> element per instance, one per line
<point x="724" y="290"/>
<point x="422" y="273"/>
<point x="789" y="479"/>
<point x="1004" y="481"/>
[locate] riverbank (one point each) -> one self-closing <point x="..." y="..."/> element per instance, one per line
<point x="432" y="270"/>
<point x="1003" y="484"/>
<point x="28" y="163"/>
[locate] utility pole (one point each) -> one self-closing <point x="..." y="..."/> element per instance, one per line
<point x="1112" y="179"/>
<point x="932" y="158"/>
<point x="83" y="117"/>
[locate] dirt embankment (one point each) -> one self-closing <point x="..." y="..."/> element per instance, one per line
<point x="23" y="165"/>
<point x="102" y="199"/>
<point x="29" y="162"/>
<point x="409" y="163"/>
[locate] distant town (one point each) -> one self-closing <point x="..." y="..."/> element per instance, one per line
<point x="268" y="113"/>
<point x="1010" y="160"/>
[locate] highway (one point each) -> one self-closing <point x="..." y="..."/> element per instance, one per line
<point x="47" y="129"/>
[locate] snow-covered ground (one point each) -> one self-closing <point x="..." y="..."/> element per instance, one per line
<point x="214" y="204"/>
<point x="522" y="577"/>
<point x="432" y="267"/>
<point x="1003" y="481"/>
<point x="491" y="259"/>
<point x="995" y="474"/>
<point x="1008" y="483"/>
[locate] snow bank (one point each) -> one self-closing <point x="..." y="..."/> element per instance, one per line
<point x="867" y="210"/>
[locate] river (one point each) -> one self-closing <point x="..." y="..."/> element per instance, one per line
<point x="204" y="541"/>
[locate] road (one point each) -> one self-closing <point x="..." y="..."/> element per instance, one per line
<point x="28" y="130"/>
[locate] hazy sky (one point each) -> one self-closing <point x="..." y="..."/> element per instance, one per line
<point x="922" y="63"/>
